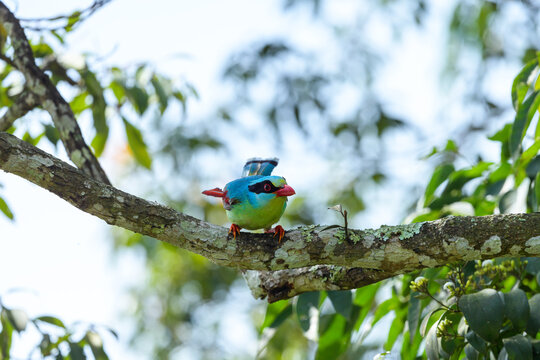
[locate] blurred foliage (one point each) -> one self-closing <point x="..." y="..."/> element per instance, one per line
<point x="57" y="341"/>
<point x="472" y="310"/>
<point x="179" y="301"/>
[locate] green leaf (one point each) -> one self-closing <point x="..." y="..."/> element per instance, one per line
<point x="76" y="351"/>
<point x="425" y="321"/>
<point x="485" y="207"/>
<point x="533" y="325"/>
<point x="384" y="308"/>
<point x="138" y="98"/>
<point x="386" y="122"/>
<point x="456" y="181"/>
<point x="79" y="103"/>
<point x="521" y="83"/>
<point x="476" y="342"/>
<point x="537" y="188"/>
<point x="518" y="347"/>
<point x="471" y="353"/>
<point x="98" y="143"/>
<point x="161" y="94"/>
<point x="118" y="90"/>
<point x="501" y="172"/>
<point x="484" y="312"/>
<point x="137" y="145"/>
<point x="507" y="200"/>
<point x="304" y="304"/>
<point x="440" y="174"/>
<point x="342" y="301"/>
<point x="332" y="342"/>
<point x="99" y="107"/>
<point x="432" y="344"/>
<point x="413" y="314"/>
<point x="516" y="307"/>
<point x="533" y="167"/>
<point x="531" y="152"/>
<point x="502" y="135"/>
<point x="431" y="215"/>
<point x="100" y="121"/>
<point x="451" y="146"/>
<point x="42" y="50"/>
<point x="282" y="316"/>
<point x="180" y="97"/>
<point x="93" y="86"/>
<point x="409" y="350"/>
<point x="524" y="115"/>
<point x="395" y="330"/>
<point x="73" y="19"/>
<point x="51" y="320"/>
<point x="272" y="311"/>
<point x="32" y="140"/>
<point x="6" y="336"/>
<point x="52" y="134"/>
<point x="98" y="114"/>
<point x="533" y="265"/>
<point x="536" y="348"/>
<point x="364" y="298"/>
<point x="449" y="345"/>
<point x="4" y="208"/>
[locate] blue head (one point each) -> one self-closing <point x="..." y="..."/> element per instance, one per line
<point x="259" y="190"/>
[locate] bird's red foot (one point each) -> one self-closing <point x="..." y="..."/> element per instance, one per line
<point x="278" y="230"/>
<point x="235" y="230"/>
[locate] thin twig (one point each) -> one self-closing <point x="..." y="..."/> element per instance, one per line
<point x="83" y="15"/>
<point x="7" y="60"/>
<point x="24" y="103"/>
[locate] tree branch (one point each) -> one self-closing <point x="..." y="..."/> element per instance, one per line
<point x="284" y="284"/>
<point x="389" y="249"/>
<point x="39" y="83"/>
<point x="25" y="102"/>
<point x="8" y="61"/>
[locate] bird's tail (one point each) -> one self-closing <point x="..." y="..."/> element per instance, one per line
<point x="258" y="166"/>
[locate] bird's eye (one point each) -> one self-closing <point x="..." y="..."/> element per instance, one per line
<point x="267" y="187"/>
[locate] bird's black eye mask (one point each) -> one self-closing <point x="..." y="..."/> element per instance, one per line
<point x="263" y="187"/>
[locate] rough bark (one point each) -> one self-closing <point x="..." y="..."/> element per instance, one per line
<point x="37" y="82"/>
<point x="387" y="251"/>
<point x="24" y="103"/>
<point x="284" y="284"/>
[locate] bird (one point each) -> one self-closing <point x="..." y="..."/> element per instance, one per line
<point x="257" y="199"/>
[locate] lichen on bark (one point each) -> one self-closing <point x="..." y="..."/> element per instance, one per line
<point x="308" y="258"/>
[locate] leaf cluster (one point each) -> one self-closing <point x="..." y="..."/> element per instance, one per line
<point x="57" y="340"/>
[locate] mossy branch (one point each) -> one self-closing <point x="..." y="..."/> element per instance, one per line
<point x="387" y="251"/>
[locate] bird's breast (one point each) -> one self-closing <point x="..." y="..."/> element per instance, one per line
<point x="252" y="216"/>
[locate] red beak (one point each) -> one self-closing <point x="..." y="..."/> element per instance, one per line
<point x="217" y="192"/>
<point x="285" y="191"/>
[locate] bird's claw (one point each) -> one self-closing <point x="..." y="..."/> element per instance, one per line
<point x="235" y="230"/>
<point x="278" y="230"/>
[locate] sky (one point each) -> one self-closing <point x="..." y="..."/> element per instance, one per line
<point x="191" y="40"/>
